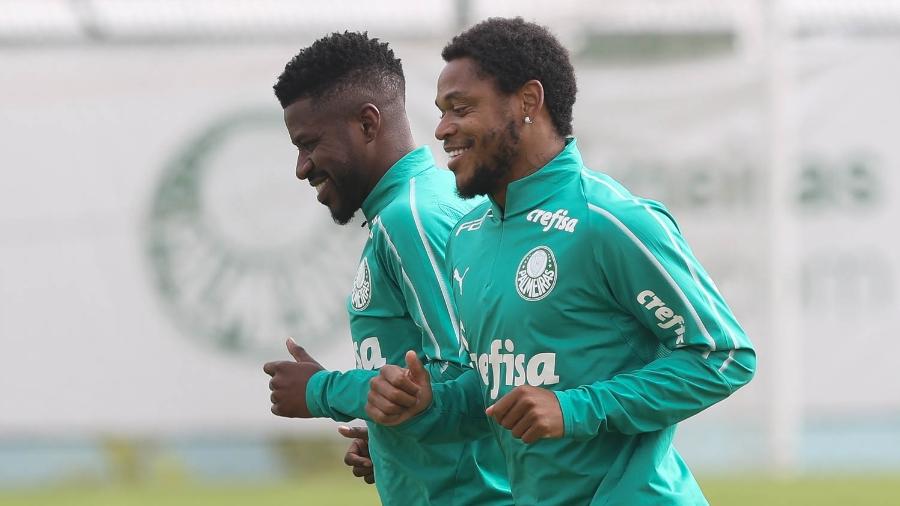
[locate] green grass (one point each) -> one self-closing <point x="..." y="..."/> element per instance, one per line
<point x="321" y="491"/>
<point x="819" y="491"/>
<point x="339" y="490"/>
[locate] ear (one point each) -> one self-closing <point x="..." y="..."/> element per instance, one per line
<point x="369" y="118"/>
<point x="531" y="94"/>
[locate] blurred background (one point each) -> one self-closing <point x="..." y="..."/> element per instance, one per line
<point x="156" y="248"/>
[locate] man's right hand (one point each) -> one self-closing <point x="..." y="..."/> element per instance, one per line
<point x="289" y="380"/>
<point x="398" y="394"/>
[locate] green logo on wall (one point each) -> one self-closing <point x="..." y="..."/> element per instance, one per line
<point x="240" y="252"/>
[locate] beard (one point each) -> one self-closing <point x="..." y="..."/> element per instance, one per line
<point x="349" y="191"/>
<point x="343" y="215"/>
<point x="346" y="206"/>
<point x="487" y="177"/>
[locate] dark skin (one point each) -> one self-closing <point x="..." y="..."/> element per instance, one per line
<point x="490" y="126"/>
<point x="357" y="456"/>
<point x="472" y="109"/>
<point x="345" y="145"/>
<point x="289" y="377"/>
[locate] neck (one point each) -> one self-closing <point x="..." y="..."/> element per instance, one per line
<point x="528" y="162"/>
<point x="394" y="146"/>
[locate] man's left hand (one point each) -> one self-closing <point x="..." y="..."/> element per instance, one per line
<point x="289" y="379"/>
<point x="357" y="455"/>
<point x="531" y="413"/>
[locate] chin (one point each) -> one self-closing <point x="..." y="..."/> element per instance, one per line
<point x="342" y="217"/>
<point x="341" y="213"/>
<point x="468" y="191"/>
<point x="464" y="185"/>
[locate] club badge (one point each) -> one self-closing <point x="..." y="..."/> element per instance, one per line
<point x="536" y="275"/>
<point x="362" y="287"/>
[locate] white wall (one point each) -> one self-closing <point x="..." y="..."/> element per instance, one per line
<point x="89" y="342"/>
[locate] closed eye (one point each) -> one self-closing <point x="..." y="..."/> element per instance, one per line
<point x="460" y="110"/>
<point x="305" y="146"/>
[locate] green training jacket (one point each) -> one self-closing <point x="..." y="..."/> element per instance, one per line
<point x="579" y="287"/>
<point x="400" y="300"/>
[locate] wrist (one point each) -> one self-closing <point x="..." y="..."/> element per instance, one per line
<point x="418" y="417"/>
<point x="580" y="420"/>
<point x="315" y="393"/>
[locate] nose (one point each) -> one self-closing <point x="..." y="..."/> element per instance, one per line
<point x="445" y="128"/>
<point x="304" y="166"/>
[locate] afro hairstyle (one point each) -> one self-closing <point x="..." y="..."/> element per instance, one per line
<point x="513" y="52"/>
<point x="339" y="62"/>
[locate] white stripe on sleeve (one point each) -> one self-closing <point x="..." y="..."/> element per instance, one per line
<point x="434" y="267"/>
<point x="412" y="289"/>
<point x="662" y="270"/>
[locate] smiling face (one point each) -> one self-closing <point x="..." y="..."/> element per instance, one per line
<point x="478" y="128"/>
<point x="329" y="156"/>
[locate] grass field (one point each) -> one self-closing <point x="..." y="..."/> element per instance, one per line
<point x="338" y="490"/>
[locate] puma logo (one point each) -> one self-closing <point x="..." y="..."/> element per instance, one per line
<point x="459" y="279"/>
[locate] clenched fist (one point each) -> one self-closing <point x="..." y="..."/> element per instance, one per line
<point x="398" y="394"/>
<point x="289" y="380"/>
<point x="530" y="413"/>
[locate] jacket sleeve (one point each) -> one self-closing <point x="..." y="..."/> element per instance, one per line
<point x="704" y="354"/>
<point x="340" y="396"/>
<point x="456" y="413"/>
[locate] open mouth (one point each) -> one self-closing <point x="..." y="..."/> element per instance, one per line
<point x="456" y="152"/>
<point x="319" y="183"/>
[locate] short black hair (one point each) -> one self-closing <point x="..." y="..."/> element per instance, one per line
<point x="513" y="52"/>
<point x="338" y="62"/>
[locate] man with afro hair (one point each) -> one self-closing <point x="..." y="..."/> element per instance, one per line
<point x="593" y="328"/>
<point x="344" y="108"/>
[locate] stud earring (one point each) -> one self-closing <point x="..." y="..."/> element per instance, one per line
<point x="528" y="120"/>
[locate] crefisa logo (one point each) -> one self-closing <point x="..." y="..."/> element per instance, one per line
<point x="504" y="367"/>
<point x="536" y="275"/>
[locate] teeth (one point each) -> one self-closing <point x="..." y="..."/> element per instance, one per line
<point x="319" y="187"/>
<point x="456" y="152"/>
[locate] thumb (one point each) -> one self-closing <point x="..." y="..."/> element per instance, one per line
<point x="417" y="371"/>
<point x="298" y="352"/>
<point x="353" y="432"/>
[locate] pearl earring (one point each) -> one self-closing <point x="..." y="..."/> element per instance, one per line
<point x="528" y="120"/>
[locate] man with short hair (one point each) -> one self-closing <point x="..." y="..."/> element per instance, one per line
<point x="592" y="326"/>
<point x="344" y="108"/>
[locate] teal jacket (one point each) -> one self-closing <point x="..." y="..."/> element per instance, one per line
<point x="579" y="287"/>
<point x="400" y="301"/>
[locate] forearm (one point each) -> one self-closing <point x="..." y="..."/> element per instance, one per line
<point x="660" y="394"/>
<point x="340" y="396"/>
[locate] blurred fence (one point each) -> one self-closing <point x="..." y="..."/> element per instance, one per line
<point x="155" y="247"/>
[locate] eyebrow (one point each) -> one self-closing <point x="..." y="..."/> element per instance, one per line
<point x="449" y="96"/>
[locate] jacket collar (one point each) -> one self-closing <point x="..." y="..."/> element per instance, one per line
<point x="395" y="179"/>
<point x="532" y="190"/>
